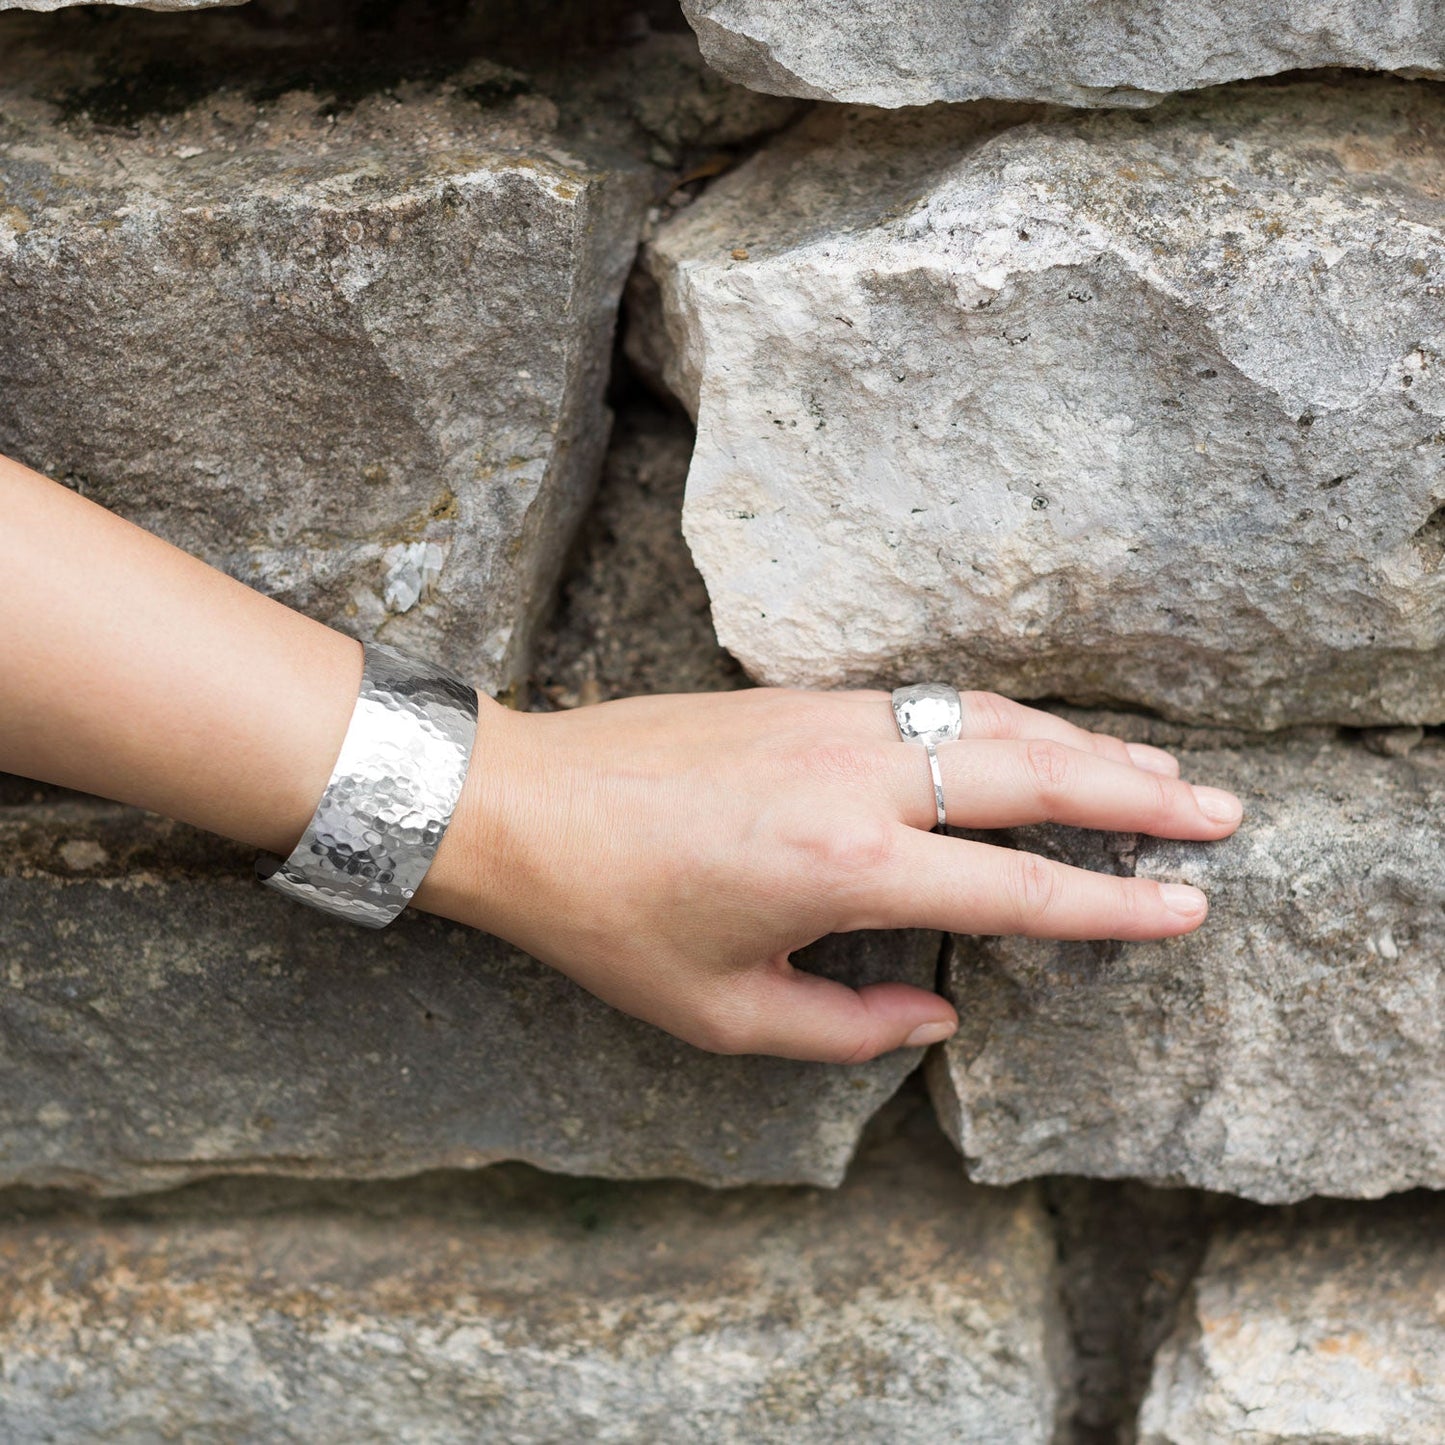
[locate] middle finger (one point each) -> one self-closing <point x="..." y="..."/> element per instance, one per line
<point x="990" y="715"/>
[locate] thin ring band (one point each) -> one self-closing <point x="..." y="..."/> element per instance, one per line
<point x="937" y="784"/>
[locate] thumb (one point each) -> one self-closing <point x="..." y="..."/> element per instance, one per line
<point x="797" y="1015"/>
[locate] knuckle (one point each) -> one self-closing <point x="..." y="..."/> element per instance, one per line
<point x="1033" y="885"/>
<point x="1134" y="901"/>
<point x="991" y="714"/>
<point x="1109" y="746"/>
<point x="1050" y="765"/>
<point x="859" y="1052"/>
<point x="1166" y="795"/>
<point x="855" y="846"/>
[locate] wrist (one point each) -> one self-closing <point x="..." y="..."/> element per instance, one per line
<point x="463" y="881"/>
<point x="392" y="795"/>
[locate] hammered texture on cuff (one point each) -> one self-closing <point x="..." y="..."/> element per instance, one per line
<point x="391" y="795"/>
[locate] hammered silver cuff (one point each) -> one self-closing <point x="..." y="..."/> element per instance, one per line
<point x="391" y="796"/>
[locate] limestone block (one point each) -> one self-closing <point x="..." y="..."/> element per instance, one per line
<point x="1328" y="1330"/>
<point x="1118" y="53"/>
<point x="163" y="1017"/>
<point x="353" y="353"/>
<point x="905" y="1308"/>
<point x="1142" y="407"/>
<point x="1290" y="1046"/>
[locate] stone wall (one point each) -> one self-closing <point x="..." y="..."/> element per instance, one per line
<point x="828" y="345"/>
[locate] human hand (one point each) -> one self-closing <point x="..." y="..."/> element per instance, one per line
<point x="668" y="853"/>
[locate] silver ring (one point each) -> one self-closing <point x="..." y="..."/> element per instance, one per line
<point x="930" y="713"/>
<point x="937" y="784"/>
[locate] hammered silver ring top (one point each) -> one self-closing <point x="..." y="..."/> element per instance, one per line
<point x="930" y="713"/>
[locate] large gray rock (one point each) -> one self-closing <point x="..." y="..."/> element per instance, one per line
<point x="163" y="1018"/>
<point x="1116" y="53"/>
<point x="905" y="1308"/>
<point x="1325" y="1330"/>
<point x="1143" y="407"/>
<point x="352" y="353"/>
<point x="1291" y="1046"/>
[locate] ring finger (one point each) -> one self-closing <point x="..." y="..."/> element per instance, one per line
<point x="992" y="783"/>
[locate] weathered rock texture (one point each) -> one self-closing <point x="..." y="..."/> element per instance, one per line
<point x="1139" y="408"/>
<point x="1127" y="1253"/>
<point x="1119" y="53"/>
<point x="133" y="4"/>
<point x="163" y="1018"/>
<point x="1291" y="1046"/>
<point x="905" y="1308"/>
<point x="353" y="355"/>
<point x="633" y="614"/>
<point x="1326" y="1330"/>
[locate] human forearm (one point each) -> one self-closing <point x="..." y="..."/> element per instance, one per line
<point x="135" y="671"/>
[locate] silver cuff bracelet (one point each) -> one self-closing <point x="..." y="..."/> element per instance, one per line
<point x="392" y="792"/>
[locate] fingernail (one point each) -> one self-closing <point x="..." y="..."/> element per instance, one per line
<point x="1152" y="760"/>
<point x="933" y="1033"/>
<point x="1182" y="899"/>
<point x="1217" y="805"/>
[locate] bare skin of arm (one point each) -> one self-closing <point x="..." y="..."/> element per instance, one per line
<point x="668" y="853"/>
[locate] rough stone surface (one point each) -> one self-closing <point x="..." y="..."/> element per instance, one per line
<point x="1140" y="408"/>
<point x="1291" y="1046"/>
<point x="1323" y="1330"/>
<point x="905" y="1308"/>
<point x="1126" y="1255"/>
<point x="1118" y="53"/>
<point x="353" y="354"/>
<point x="633" y="614"/>
<point x="163" y="1017"/>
